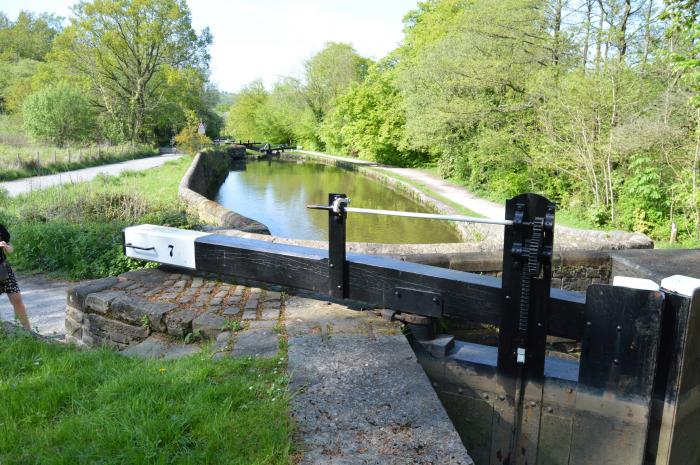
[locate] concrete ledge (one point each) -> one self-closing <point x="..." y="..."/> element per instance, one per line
<point x="362" y="396"/>
<point x="206" y="173"/>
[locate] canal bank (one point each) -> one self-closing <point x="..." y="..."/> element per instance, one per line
<point x="198" y="186"/>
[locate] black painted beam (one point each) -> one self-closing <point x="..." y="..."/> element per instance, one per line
<point x="374" y="280"/>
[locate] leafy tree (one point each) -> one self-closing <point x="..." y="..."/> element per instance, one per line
<point x="329" y="74"/>
<point x="127" y="50"/>
<point x="241" y="119"/>
<point x="369" y="120"/>
<point x="58" y="114"/>
<point x="29" y="36"/>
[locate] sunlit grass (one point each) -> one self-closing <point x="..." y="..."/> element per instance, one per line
<point x="66" y="406"/>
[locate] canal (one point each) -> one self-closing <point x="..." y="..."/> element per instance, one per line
<point x="276" y="193"/>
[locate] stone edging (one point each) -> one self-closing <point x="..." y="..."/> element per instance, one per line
<point x="208" y="170"/>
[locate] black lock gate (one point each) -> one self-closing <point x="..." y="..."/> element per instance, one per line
<point x="633" y="398"/>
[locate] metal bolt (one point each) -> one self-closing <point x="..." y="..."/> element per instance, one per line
<point x="539" y="325"/>
<point x="339" y="286"/>
<point x="616" y="361"/>
<point x="460" y="390"/>
<point x="619" y="328"/>
<point x="570" y="390"/>
<point x="435" y="299"/>
<point x="588" y="323"/>
<point x="331" y="265"/>
<point x="533" y="403"/>
<point x="502" y="397"/>
<point x="396" y="292"/>
<point x="486" y="396"/>
<point x="550" y="409"/>
<point x="507" y="297"/>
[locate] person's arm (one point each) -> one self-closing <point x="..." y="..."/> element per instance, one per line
<point x="7" y="247"/>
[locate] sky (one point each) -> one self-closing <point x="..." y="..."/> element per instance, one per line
<point x="271" y="38"/>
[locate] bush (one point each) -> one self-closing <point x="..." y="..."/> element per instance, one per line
<point x="58" y="114"/>
<point x="191" y="141"/>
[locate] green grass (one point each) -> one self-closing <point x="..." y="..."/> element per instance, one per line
<point x="61" y="405"/>
<point x="20" y="157"/>
<point x="74" y="231"/>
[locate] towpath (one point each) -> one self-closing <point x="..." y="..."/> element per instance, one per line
<point x="22" y="186"/>
<point x="442" y="187"/>
<point x="45" y="300"/>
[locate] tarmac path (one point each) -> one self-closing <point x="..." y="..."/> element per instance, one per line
<point x="22" y="186"/>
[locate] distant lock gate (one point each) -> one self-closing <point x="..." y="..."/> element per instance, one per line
<point x="632" y="398"/>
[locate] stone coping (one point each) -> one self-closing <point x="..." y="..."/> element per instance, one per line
<point x="208" y="170"/>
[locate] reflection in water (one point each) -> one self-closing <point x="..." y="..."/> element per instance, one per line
<point x="276" y="194"/>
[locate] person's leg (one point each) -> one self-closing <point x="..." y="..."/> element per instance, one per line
<point x="20" y="311"/>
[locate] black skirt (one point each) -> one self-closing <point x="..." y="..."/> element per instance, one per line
<point x="9" y="285"/>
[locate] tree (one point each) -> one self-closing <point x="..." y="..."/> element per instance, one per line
<point x="369" y="120"/>
<point x="58" y="114"/>
<point x="126" y="50"/>
<point x="329" y="74"/>
<point x="241" y="120"/>
<point x="30" y="36"/>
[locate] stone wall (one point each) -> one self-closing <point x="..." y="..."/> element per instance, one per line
<point x="123" y="311"/>
<point x="203" y="178"/>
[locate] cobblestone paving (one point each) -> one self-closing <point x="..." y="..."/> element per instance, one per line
<point x="243" y="320"/>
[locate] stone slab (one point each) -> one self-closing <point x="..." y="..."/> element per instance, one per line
<point x="257" y="324"/>
<point x="76" y="295"/>
<point x="99" y="302"/>
<point x="157" y="346"/>
<point x="232" y="311"/>
<point x="256" y="343"/>
<point x="179" y="323"/>
<point x="134" y="310"/>
<point x="656" y="264"/>
<point x="362" y="396"/>
<point x="115" y="331"/>
<point x="208" y="324"/>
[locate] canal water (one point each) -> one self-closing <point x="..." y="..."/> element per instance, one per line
<point x="276" y="194"/>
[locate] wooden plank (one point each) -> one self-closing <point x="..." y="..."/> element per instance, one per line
<point x="287" y="265"/>
<point x="618" y="364"/>
<point x="372" y="279"/>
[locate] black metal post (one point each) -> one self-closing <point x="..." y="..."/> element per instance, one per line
<point x="338" y="266"/>
<point x="527" y="274"/>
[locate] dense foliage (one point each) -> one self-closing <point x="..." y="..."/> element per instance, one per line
<point x="58" y="114"/>
<point x="593" y="103"/>
<point x="138" y="66"/>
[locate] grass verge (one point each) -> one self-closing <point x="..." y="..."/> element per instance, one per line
<point x="62" y="405"/>
<point x="22" y="162"/>
<point x="74" y="231"/>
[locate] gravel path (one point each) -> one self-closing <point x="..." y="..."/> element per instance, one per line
<point x="45" y="300"/>
<point x="22" y="186"/>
